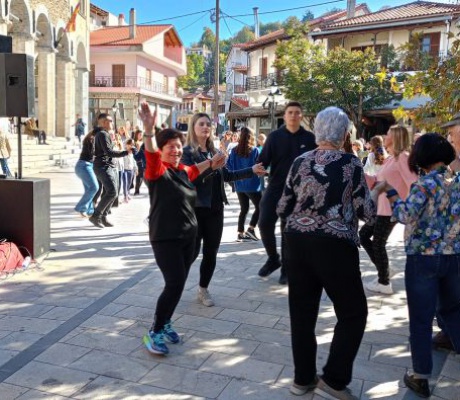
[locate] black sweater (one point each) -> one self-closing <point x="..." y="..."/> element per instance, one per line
<point x="281" y="149"/>
<point x="103" y="150"/>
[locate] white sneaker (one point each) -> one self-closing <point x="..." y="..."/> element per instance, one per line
<point x="204" y="297"/>
<point x="375" y="286"/>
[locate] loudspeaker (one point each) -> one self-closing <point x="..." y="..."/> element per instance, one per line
<point x="17" y="85"/>
<point x="25" y="213"/>
<point x="6" y="44"/>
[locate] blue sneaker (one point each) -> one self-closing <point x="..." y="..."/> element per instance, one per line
<point x="155" y="343"/>
<point x="170" y="334"/>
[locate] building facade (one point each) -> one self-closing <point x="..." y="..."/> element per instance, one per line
<point x="61" y="56"/>
<point x="131" y="63"/>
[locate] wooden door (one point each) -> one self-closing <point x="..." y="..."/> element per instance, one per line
<point x="118" y="75"/>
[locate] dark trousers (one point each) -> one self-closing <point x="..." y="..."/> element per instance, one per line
<point x="243" y="198"/>
<point x="108" y="177"/>
<point x="314" y="263"/>
<point x="174" y="258"/>
<point x="267" y="222"/>
<point x="139" y="179"/>
<point x="433" y="287"/>
<point x="376" y="247"/>
<point x="210" y="228"/>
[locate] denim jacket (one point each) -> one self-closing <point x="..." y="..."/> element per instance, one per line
<point x="204" y="184"/>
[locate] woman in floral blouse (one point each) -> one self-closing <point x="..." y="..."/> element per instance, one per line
<point x="325" y="195"/>
<point x="431" y="214"/>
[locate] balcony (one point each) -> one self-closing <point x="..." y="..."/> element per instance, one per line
<point x="260" y="82"/>
<point x="239" y="89"/>
<point x="131" y="82"/>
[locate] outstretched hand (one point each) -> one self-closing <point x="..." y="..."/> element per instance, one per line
<point x="259" y="169"/>
<point x="148" y="118"/>
<point x="218" y="160"/>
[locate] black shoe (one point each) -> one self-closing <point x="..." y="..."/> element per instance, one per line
<point x="135" y="193"/>
<point x="442" y="341"/>
<point x="105" y="222"/>
<point x="283" y="278"/>
<point x="96" y="221"/>
<point x="269" y="267"/>
<point x="419" y="386"/>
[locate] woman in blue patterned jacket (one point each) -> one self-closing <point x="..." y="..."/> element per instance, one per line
<point x="431" y="214"/>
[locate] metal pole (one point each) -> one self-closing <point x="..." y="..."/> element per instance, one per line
<point x="19" y="149"/>
<point x="272" y="114"/>
<point x="216" y="66"/>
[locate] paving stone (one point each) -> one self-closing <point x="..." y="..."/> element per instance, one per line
<point x="133" y="299"/>
<point x="30" y="325"/>
<point x="107" y="323"/>
<point x="24" y="309"/>
<point x="62" y="354"/>
<point x="111" y="309"/>
<point x="222" y="343"/>
<point x="104" y="388"/>
<point x="379" y="373"/>
<point x="19" y="340"/>
<point x="11" y="392"/>
<point x="274" y="309"/>
<point x="206" y="324"/>
<point x="65" y="300"/>
<point x="35" y="394"/>
<point x="109" y="341"/>
<point x="243" y="367"/>
<point x="136" y="313"/>
<point x="387" y="390"/>
<point x="448" y="389"/>
<point x="262" y="334"/>
<point x="451" y="367"/>
<point x="242" y="389"/>
<point x="50" y="378"/>
<point x="195" y="308"/>
<point x="113" y="365"/>
<point x="61" y="313"/>
<point x="186" y="380"/>
<point x="7" y="355"/>
<point x="276" y="296"/>
<point x="248" y="317"/>
<point x="274" y="353"/>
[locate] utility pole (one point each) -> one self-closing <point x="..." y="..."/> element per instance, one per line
<point x="216" y="67"/>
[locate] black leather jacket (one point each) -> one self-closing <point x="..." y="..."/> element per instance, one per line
<point x="203" y="183"/>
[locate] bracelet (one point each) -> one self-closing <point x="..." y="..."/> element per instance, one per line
<point x="391" y="193"/>
<point x="148" y="135"/>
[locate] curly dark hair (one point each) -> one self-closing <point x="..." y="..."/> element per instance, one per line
<point x="246" y="142"/>
<point x="165" y="135"/>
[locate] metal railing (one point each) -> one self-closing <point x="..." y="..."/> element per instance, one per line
<point x="131" y="82"/>
<point x="264" y="81"/>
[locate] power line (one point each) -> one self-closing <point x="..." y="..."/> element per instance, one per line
<point x="237" y="20"/>
<point x="287" y="9"/>
<point x="193" y="23"/>
<point x="175" y="17"/>
<point x="223" y="17"/>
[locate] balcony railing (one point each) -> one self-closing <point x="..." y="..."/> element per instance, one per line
<point x="264" y="81"/>
<point x="132" y="82"/>
<point x="239" y="89"/>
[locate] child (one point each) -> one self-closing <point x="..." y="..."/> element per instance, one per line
<point x="129" y="171"/>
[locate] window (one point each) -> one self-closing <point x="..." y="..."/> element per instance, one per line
<point x="148" y="76"/>
<point x="431" y="43"/>
<point x="165" y="84"/>
<point x="92" y="74"/>
<point x="118" y="75"/>
<point x="264" y="67"/>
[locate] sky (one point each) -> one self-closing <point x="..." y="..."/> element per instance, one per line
<point x="191" y="27"/>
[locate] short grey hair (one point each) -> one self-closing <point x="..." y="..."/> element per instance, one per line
<point x="331" y="126"/>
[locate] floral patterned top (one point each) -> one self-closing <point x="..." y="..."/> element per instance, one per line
<point x="325" y="194"/>
<point x="427" y="214"/>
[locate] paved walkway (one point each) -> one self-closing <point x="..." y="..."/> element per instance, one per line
<point x="72" y="330"/>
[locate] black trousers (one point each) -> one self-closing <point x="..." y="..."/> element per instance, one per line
<point x="108" y="177"/>
<point x="267" y="222"/>
<point x="174" y="258"/>
<point x="243" y="198"/>
<point x="376" y="247"/>
<point x="139" y="179"/>
<point x="314" y="263"/>
<point x="210" y="228"/>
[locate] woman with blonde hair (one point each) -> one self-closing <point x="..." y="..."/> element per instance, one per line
<point x="376" y="157"/>
<point x="211" y="197"/>
<point x="374" y="237"/>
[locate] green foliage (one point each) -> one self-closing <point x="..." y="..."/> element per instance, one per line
<point x="389" y="58"/>
<point x="308" y="16"/>
<point x="411" y="55"/>
<point x="208" y="38"/>
<point x="209" y="70"/>
<point x="269" y="27"/>
<point x="440" y="82"/>
<point x="351" y="80"/>
<point x="195" y="72"/>
<point x="246" y="34"/>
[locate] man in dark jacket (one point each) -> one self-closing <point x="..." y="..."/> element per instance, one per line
<point x="282" y="147"/>
<point x="105" y="170"/>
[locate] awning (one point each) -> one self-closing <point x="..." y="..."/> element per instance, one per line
<point x="254" y="112"/>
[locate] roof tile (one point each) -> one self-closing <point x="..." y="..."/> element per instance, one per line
<point x="119" y="35"/>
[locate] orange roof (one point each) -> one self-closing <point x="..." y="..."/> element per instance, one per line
<point x="199" y="96"/>
<point x="119" y="35"/>
<point x="417" y="9"/>
<point x="334" y="16"/>
<point x="269" y="38"/>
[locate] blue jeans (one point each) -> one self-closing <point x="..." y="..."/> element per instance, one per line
<point x="127" y="181"/>
<point x="5" y="168"/>
<point x="433" y="287"/>
<point x="85" y="172"/>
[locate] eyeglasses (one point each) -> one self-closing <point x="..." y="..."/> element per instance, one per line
<point x="208" y="124"/>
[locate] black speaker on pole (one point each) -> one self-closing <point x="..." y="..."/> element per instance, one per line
<point x="17" y="85"/>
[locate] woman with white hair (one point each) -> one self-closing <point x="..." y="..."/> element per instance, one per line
<point x="324" y="196"/>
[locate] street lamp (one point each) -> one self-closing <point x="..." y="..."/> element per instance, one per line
<point x="274" y="91"/>
<point x="114" y="110"/>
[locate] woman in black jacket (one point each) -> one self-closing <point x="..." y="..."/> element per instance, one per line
<point x="211" y="197"/>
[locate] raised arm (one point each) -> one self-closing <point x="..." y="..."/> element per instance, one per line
<point x="149" y="120"/>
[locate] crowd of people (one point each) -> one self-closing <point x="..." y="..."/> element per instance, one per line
<point x="320" y="185"/>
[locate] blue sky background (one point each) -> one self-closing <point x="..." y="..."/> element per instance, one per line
<point x="191" y="27"/>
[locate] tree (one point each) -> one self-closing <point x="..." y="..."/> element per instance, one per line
<point x="244" y="35"/>
<point x="269" y="27"/>
<point x="308" y="16"/>
<point x="208" y="39"/>
<point x="351" y="80"/>
<point x="195" y="72"/>
<point x="411" y="55"/>
<point x="209" y="70"/>
<point x="292" y="22"/>
<point x="441" y="83"/>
